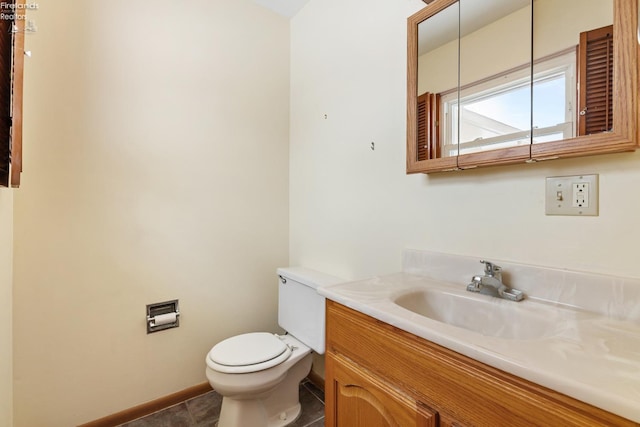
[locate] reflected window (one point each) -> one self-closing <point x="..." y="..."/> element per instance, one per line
<point x="496" y="112"/>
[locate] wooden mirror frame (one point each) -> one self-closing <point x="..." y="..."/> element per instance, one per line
<point x="626" y="129"/>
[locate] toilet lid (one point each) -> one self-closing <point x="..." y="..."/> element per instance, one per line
<point x="249" y="353"/>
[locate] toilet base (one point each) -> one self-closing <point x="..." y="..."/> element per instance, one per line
<point x="252" y="413"/>
<point x="277" y="407"/>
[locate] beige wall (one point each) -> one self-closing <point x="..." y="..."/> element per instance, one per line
<point x="6" y="342"/>
<point x="156" y="146"/>
<point x="558" y="24"/>
<point x="353" y="210"/>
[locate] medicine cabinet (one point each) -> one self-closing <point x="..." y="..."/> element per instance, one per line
<point x="514" y="81"/>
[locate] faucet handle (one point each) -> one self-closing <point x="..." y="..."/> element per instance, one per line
<point x="490" y="268"/>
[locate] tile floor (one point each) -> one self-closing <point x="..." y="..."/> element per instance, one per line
<point x="203" y="411"/>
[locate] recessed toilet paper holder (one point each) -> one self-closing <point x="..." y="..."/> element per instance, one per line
<point x="163" y="315"/>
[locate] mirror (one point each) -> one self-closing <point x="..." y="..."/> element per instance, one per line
<point x="438" y="78"/>
<point x="572" y="49"/>
<point x="480" y="108"/>
<point x="495" y="75"/>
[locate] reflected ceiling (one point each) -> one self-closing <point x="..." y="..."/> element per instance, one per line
<point x="476" y="14"/>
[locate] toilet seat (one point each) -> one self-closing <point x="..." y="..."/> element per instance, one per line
<point x="246" y="353"/>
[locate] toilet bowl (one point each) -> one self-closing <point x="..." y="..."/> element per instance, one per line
<point x="249" y="398"/>
<point x="258" y="374"/>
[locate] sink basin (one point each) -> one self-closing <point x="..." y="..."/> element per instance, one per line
<point x="484" y="314"/>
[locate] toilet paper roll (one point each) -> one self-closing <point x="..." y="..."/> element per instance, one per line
<point x="163" y="319"/>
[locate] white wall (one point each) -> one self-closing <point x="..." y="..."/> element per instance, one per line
<point x="156" y="146"/>
<point x="353" y="210"/>
<point x="6" y="340"/>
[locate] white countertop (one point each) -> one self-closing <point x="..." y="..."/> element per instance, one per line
<point x="588" y="356"/>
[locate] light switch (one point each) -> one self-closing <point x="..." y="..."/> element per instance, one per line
<point x="572" y="195"/>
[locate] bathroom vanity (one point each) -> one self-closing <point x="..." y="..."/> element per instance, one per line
<point x="379" y="375"/>
<point x="389" y="365"/>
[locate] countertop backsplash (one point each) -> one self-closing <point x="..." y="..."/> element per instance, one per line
<point x="612" y="296"/>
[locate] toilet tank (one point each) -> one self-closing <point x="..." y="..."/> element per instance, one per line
<point x="301" y="310"/>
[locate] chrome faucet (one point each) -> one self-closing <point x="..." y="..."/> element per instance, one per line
<point x="491" y="283"/>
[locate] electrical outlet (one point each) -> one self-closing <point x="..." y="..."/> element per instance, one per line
<point x="572" y="195"/>
<point x="580" y="197"/>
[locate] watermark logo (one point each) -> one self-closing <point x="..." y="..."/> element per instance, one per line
<point x="18" y="12"/>
<point x="29" y="27"/>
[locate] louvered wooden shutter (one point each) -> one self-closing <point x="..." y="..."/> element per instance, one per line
<point x="428" y="113"/>
<point x="6" y="40"/>
<point x="595" y="81"/>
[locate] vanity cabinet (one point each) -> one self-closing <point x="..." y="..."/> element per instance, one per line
<point x="379" y="375"/>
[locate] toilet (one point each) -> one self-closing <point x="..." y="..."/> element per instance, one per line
<point x="258" y="374"/>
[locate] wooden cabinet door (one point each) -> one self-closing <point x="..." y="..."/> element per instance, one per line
<point x="356" y="398"/>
